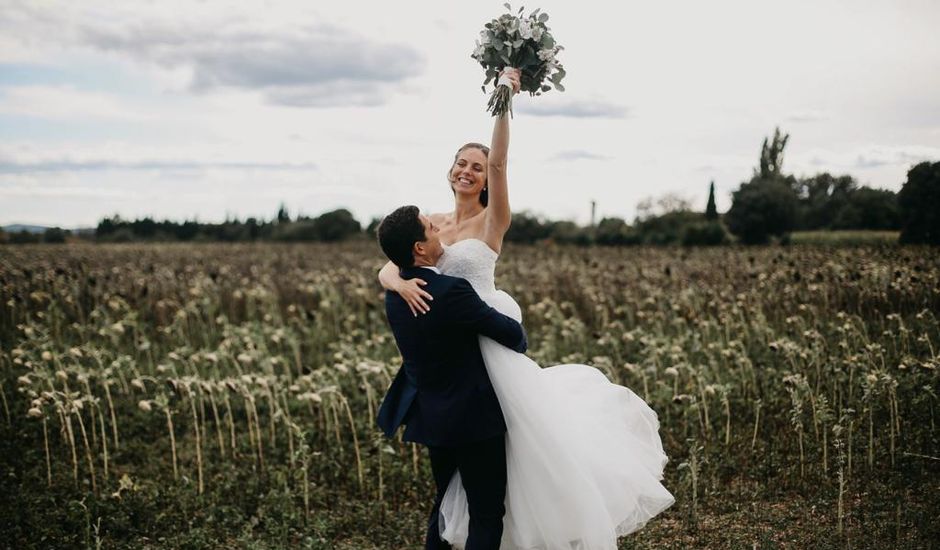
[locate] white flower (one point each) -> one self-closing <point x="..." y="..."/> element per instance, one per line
<point x="144" y="406"/>
<point x="478" y="53"/>
<point x="547" y="54"/>
<point x="525" y="29"/>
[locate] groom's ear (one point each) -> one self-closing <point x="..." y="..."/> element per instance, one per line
<point x="418" y="248"/>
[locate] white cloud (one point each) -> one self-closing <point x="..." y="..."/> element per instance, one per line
<point x="573" y="108"/>
<point x="867" y="157"/>
<point x="906" y="155"/>
<point x="576" y="154"/>
<point x="807" y="115"/>
<point x="66" y="102"/>
<point x="296" y="63"/>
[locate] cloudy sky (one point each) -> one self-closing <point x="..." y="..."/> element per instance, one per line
<point x="183" y="109"/>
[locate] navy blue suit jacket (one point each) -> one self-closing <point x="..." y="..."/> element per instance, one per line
<point x="442" y="392"/>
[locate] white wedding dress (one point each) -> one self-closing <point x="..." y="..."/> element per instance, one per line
<point x="583" y="455"/>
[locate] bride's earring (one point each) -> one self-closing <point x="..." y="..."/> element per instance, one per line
<point x="484" y="188"/>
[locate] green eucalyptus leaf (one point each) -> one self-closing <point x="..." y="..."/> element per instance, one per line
<point x="543" y="18"/>
<point x="559" y="87"/>
<point x="508" y="7"/>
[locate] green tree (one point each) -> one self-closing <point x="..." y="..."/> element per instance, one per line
<point x="24" y="237"/>
<point x="767" y="206"/>
<point x="667" y="228"/>
<point x="282" y="215"/>
<point x="762" y="209"/>
<point x="107" y="226"/>
<point x="528" y="228"/>
<point x="54" y="235"/>
<point x="771" y="156"/>
<point x="615" y="231"/>
<point x="919" y="200"/>
<point x="711" y="210"/>
<point x="253" y="229"/>
<point x="336" y="225"/>
<point x="822" y="197"/>
<point x="871" y="209"/>
<point x="568" y="232"/>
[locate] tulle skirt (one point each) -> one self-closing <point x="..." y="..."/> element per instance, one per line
<point x="584" y="458"/>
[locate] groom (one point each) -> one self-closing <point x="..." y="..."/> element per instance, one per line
<point x="442" y="392"/>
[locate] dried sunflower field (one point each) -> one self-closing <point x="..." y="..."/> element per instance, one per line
<point x="220" y="396"/>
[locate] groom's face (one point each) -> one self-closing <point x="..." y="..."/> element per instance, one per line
<point x="430" y="248"/>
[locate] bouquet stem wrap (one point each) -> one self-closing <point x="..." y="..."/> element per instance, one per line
<point x="501" y="98"/>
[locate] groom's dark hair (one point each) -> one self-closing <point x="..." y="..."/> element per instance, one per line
<point x="398" y="232"/>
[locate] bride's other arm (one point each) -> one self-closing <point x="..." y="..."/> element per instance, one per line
<point x="409" y="289"/>
<point x="498" y="213"/>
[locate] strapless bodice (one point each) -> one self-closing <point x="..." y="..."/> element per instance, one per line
<point x="475" y="261"/>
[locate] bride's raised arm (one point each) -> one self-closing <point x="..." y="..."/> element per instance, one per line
<point x="498" y="213"/>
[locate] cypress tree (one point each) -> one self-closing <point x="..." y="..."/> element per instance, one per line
<point x="711" y="211"/>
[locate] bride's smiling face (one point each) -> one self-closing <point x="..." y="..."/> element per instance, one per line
<point x="468" y="174"/>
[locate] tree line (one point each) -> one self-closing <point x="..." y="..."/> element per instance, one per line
<point x="766" y="208"/>
<point x="332" y="226"/>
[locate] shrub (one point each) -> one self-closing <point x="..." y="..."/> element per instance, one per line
<point x="705" y="233"/>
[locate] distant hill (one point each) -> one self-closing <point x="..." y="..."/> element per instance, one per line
<point x="39" y="229"/>
<point x="17" y="227"/>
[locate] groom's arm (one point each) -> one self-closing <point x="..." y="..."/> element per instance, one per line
<point x="465" y="308"/>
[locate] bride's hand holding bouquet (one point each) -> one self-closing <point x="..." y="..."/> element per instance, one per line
<point x="524" y="44"/>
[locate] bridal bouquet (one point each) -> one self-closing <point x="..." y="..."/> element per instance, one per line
<point x="525" y="43"/>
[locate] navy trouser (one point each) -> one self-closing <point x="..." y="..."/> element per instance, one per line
<point x="482" y="467"/>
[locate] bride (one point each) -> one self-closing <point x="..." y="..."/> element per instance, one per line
<point x="583" y="455"/>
